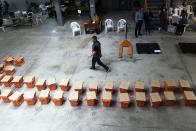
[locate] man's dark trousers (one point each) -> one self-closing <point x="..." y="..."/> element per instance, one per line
<point x="138" y="27"/>
<point x="97" y="59"/>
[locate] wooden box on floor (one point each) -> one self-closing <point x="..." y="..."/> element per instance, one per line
<point x="16" y="98"/>
<point x="155" y="86"/>
<point x="6" y="81"/>
<point x="169" y="85"/>
<point x="185" y="85"/>
<point x="189" y="98"/>
<point x="52" y="84"/>
<point x="79" y="87"/>
<point x="139" y="86"/>
<point x="40" y="84"/>
<point x="58" y="98"/>
<point x="5" y="94"/>
<point x="30" y="97"/>
<point x="9" y="70"/>
<point x="44" y="97"/>
<point x="107" y="98"/>
<point x="29" y="81"/>
<point x="124" y="86"/>
<point x="9" y="60"/>
<point x="91" y="98"/>
<point x="169" y="98"/>
<point x="74" y="98"/>
<point x="124" y="100"/>
<point x="140" y="99"/>
<point x="155" y="100"/>
<point x="17" y="81"/>
<point x="109" y="86"/>
<point x="19" y="60"/>
<point x="93" y="86"/>
<point x="1" y="77"/>
<point x="64" y="85"/>
<point x="1" y="67"/>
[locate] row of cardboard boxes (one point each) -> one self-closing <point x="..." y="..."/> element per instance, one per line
<point x="169" y="99"/>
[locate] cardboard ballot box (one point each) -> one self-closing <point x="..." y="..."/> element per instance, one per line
<point x="40" y="84"/>
<point x="107" y="98"/>
<point x="79" y="87"/>
<point x="189" y="98"/>
<point x="139" y="86"/>
<point x="30" y="97"/>
<point x="93" y="86"/>
<point x="124" y="100"/>
<point x="185" y="85"/>
<point x="19" y="60"/>
<point x="58" y="98"/>
<point x="91" y="98"/>
<point x="44" y="97"/>
<point x="74" y="98"/>
<point x="9" y="60"/>
<point x="5" y="94"/>
<point x="155" y="99"/>
<point x="1" y="77"/>
<point x="6" y="81"/>
<point x="16" y="98"/>
<point x="155" y="86"/>
<point x="124" y="86"/>
<point x="52" y="84"/>
<point x="29" y="81"/>
<point x="17" y="81"/>
<point x="64" y="85"/>
<point x="109" y="86"/>
<point x="169" y="85"/>
<point x="9" y="70"/>
<point x="169" y="98"/>
<point x="140" y="98"/>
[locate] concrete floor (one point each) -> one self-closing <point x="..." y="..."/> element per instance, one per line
<point x="51" y="51"/>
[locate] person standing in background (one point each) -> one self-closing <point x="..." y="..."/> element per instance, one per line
<point x="139" y="17"/>
<point x="147" y="20"/>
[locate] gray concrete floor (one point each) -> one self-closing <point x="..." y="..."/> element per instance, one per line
<point x="50" y="50"/>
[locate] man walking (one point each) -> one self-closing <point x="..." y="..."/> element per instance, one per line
<point x="96" y="54"/>
<point x="139" y="17"/>
<point x="147" y="20"/>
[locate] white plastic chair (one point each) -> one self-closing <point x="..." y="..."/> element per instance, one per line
<point x="121" y="25"/>
<point x="75" y="28"/>
<point x="109" y="24"/>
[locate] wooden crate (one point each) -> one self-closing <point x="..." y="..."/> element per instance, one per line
<point x="58" y="98"/>
<point x="79" y="87"/>
<point x="139" y="86"/>
<point x="140" y="98"/>
<point x="91" y="98"/>
<point x="74" y="98"/>
<point x="124" y="100"/>
<point x="64" y="84"/>
<point x="124" y="86"/>
<point x="189" y="98"/>
<point x="170" y="85"/>
<point x="6" y="81"/>
<point x="9" y="60"/>
<point x="169" y="98"/>
<point x="16" y="98"/>
<point x="5" y="94"/>
<point x="93" y="86"/>
<point x="155" y="86"/>
<point x="109" y="86"/>
<point x="30" y="97"/>
<point x="185" y="85"/>
<point x="17" y="81"/>
<point x="52" y="84"/>
<point x="107" y="98"/>
<point x="44" y="97"/>
<point x="155" y="99"/>
<point x="9" y="70"/>
<point x="29" y="81"/>
<point x="19" y="60"/>
<point x="40" y="84"/>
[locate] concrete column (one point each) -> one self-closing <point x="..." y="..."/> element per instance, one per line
<point x="59" y="16"/>
<point x="92" y="8"/>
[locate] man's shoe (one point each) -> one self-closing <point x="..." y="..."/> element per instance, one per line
<point x="92" y="68"/>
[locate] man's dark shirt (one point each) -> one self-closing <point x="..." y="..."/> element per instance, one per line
<point x="96" y="47"/>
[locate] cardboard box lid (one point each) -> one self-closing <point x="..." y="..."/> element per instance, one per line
<point x="5" y="92"/>
<point x="9" y="58"/>
<point x="28" y="79"/>
<point x="74" y="95"/>
<point x="51" y="81"/>
<point x="93" y="85"/>
<point x="169" y="95"/>
<point x="140" y="96"/>
<point x="9" y="68"/>
<point x="17" y="78"/>
<point x="171" y="83"/>
<point x="29" y="94"/>
<point x="40" y="81"/>
<point x="189" y="95"/>
<point x="79" y="85"/>
<point x="184" y="83"/>
<point x="107" y="95"/>
<point x="109" y="85"/>
<point x="18" y="58"/>
<point x="58" y="95"/>
<point x="6" y="78"/>
<point x="155" y="83"/>
<point x="124" y="97"/>
<point x="155" y="97"/>
<point x="64" y="82"/>
<point x="44" y="93"/>
<point x="91" y="95"/>
<point x="139" y="85"/>
<point x="15" y="96"/>
<point x="124" y="85"/>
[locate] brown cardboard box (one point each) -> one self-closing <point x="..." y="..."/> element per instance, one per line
<point x="30" y="97"/>
<point x="91" y="98"/>
<point x="109" y="86"/>
<point x="5" y="94"/>
<point x="155" y="86"/>
<point x="74" y="98"/>
<point x="58" y="98"/>
<point x="29" y="81"/>
<point x="189" y="98"/>
<point x="9" y="60"/>
<point x="18" y="81"/>
<point x="185" y="85"/>
<point x="17" y="98"/>
<point x="93" y="86"/>
<point x="155" y="99"/>
<point x="52" y="84"/>
<point x="79" y="87"/>
<point x="1" y="77"/>
<point x="124" y="100"/>
<point x="1" y="67"/>
<point x="19" y="60"/>
<point x="6" y="81"/>
<point x="40" y="84"/>
<point x="169" y="85"/>
<point x="139" y="86"/>
<point x="107" y="98"/>
<point x="140" y="99"/>
<point x="64" y="85"/>
<point x="44" y="97"/>
<point x="9" y="70"/>
<point x="169" y="98"/>
<point x="124" y="86"/>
